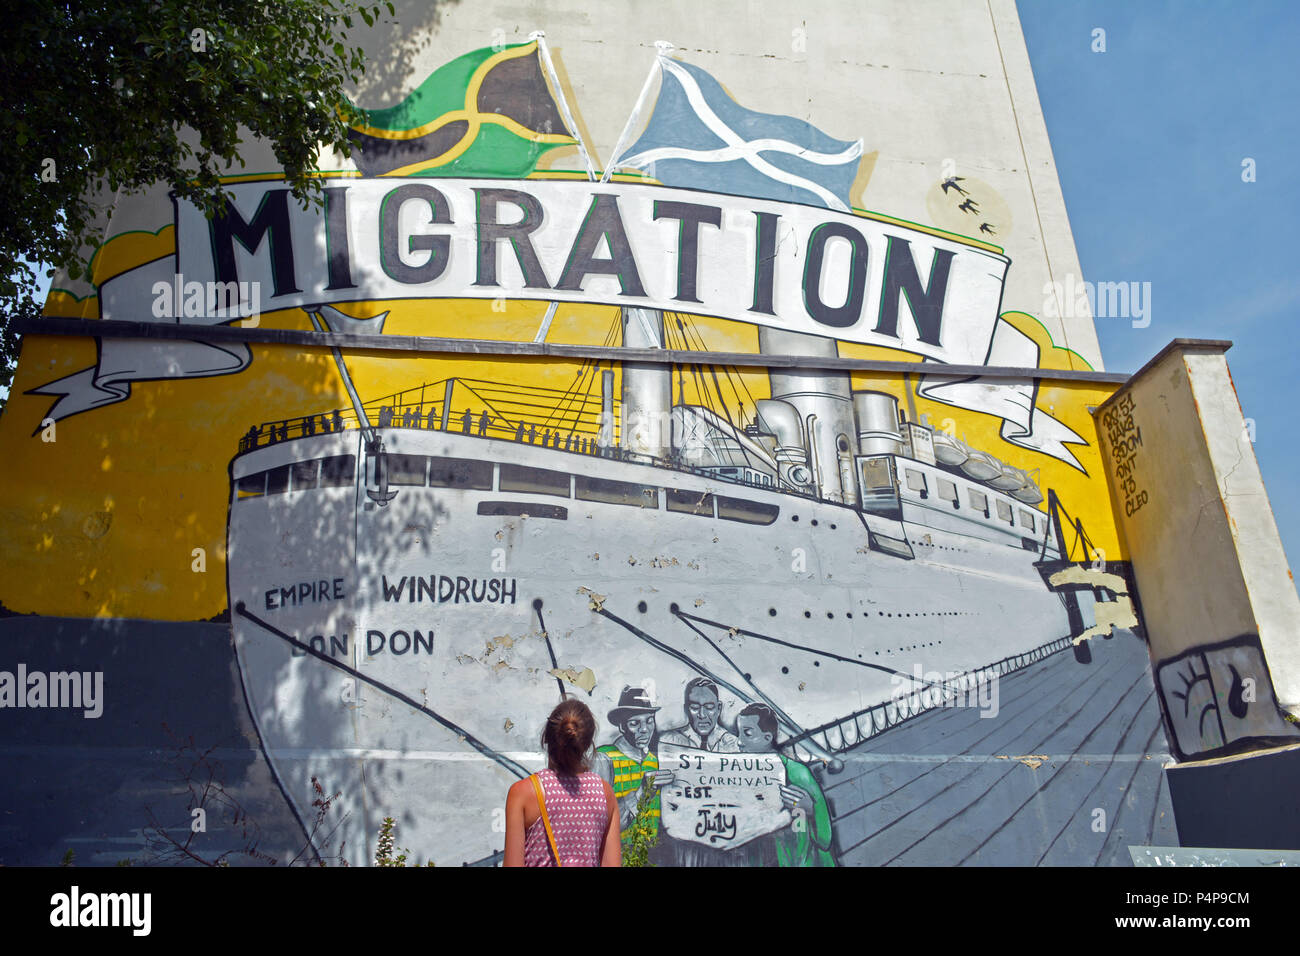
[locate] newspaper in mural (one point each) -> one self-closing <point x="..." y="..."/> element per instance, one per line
<point x="418" y="550"/>
<point x="722" y="800"/>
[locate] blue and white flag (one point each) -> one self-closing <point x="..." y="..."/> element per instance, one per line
<point x="700" y="138"/>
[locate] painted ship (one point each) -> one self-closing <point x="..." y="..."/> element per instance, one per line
<point x="415" y="580"/>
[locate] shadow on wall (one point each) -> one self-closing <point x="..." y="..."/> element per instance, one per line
<point x="391" y="74"/>
<point x="160" y="707"/>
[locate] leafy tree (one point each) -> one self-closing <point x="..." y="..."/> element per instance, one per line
<point x="642" y="834"/>
<point x="96" y="97"/>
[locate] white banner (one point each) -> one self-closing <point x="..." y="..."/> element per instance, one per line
<point x="801" y="268"/>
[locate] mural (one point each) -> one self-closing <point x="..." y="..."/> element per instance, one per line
<point x="750" y="570"/>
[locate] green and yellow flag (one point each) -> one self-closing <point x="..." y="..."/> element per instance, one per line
<point x="487" y="113"/>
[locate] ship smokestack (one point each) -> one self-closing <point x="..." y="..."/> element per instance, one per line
<point x="647" y="388"/>
<point x="823" y="400"/>
<point x="605" y="438"/>
<point x="877" y="414"/>
<point x="781" y="419"/>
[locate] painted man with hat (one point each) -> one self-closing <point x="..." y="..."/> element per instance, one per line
<point x="631" y="756"/>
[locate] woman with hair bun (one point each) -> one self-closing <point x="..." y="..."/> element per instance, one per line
<point x="564" y="815"/>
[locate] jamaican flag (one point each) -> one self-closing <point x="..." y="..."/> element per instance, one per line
<point x="487" y="113"/>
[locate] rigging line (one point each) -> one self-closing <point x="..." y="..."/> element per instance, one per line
<point x="831" y="654"/>
<point x="800" y="735"/>
<point x="671" y="652"/>
<point x="833" y="763"/>
<point x="591" y="366"/>
<point x="488" y="385"/>
<point x="489" y="403"/>
<point x="565" y="401"/>
<point x="537" y="606"/>
<point x="587" y="365"/>
<point x="567" y="396"/>
<point x="689" y="330"/>
<point x="780" y="712"/>
<point x="507" y="401"/>
<point x="464" y="734"/>
<point x="692" y="338"/>
<point x="737" y="428"/>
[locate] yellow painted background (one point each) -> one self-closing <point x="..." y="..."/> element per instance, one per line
<point x="105" y="519"/>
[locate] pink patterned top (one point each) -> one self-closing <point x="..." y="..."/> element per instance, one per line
<point x="579" y="818"/>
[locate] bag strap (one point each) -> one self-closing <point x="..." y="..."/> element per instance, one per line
<point x="546" y="820"/>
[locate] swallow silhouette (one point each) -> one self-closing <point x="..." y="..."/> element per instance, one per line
<point x="969" y="205"/>
<point x="985" y="227"/>
<point x="951" y="183"/>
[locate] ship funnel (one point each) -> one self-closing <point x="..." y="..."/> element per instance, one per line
<point x="822" y="398"/>
<point x="782" y="420"/>
<point x="647" y="388"/>
<point x="877" y="415"/>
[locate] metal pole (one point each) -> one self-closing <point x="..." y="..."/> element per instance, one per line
<point x="545" y="51"/>
<point x="319" y="324"/>
<point x="446" y="403"/>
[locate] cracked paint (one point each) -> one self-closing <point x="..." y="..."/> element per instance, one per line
<point x="596" y="601"/>
<point x="584" y="678"/>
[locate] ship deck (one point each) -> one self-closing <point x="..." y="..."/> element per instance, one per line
<point x="950" y="788"/>
<point x="944" y="788"/>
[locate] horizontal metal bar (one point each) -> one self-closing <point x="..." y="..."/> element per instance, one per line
<point x="426" y="344"/>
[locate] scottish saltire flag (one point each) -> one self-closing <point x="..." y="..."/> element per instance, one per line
<point x="700" y="138"/>
<point x="487" y="113"/>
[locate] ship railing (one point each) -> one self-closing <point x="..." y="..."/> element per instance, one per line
<point x="471" y="406"/>
<point x="846" y="732"/>
<point x="480" y="423"/>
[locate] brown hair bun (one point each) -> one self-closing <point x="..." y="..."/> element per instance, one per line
<point x="568" y="735"/>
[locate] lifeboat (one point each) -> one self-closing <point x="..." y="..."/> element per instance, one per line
<point x="950" y="450"/>
<point x="1008" y="478"/>
<point x="1028" y="492"/>
<point x="982" y="466"/>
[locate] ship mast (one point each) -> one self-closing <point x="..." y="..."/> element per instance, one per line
<point x="321" y="324"/>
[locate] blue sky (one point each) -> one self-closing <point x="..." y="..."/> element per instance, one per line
<point x="1149" y="139"/>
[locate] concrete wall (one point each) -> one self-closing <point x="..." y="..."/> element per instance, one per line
<point x="774" y="558"/>
<point x="1218" y="599"/>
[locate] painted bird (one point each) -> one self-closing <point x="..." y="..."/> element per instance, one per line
<point x="951" y="183"/>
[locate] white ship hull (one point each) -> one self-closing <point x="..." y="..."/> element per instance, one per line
<point x="445" y="597"/>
